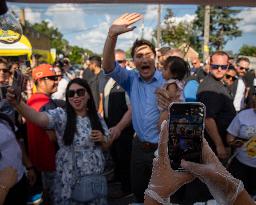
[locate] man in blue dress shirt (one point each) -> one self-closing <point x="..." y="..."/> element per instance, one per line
<point x="141" y="86"/>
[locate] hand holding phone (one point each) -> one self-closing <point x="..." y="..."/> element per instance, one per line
<point x="186" y="128"/>
<point x="3" y="91"/>
<point x="18" y="84"/>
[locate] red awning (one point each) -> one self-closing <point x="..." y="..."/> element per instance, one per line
<point x="201" y="2"/>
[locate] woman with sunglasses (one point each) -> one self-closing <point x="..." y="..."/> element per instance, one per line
<point x="81" y="136"/>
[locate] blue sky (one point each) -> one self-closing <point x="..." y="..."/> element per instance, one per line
<point x="86" y="25"/>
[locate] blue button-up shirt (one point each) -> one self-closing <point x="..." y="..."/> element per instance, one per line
<point x="145" y="113"/>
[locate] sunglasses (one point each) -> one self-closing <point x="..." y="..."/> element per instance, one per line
<point x="215" y="66"/>
<point x="243" y="68"/>
<point x="80" y="92"/>
<point x="4" y="70"/>
<point x="233" y="78"/>
<point x="53" y="78"/>
<point x="121" y="61"/>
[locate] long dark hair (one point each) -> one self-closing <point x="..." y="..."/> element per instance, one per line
<point x="71" y="128"/>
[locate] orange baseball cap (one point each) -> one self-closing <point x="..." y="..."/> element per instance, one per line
<point x="43" y="70"/>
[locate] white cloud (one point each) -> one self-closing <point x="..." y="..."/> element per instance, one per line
<point x="178" y="19"/>
<point x="248" y="22"/>
<point x="50" y="22"/>
<point x="151" y="12"/>
<point x="186" y="18"/>
<point x="66" y="17"/>
<point x="32" y="16"/>
<point x="95" y="37"/>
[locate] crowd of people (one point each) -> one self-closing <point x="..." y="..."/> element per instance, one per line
<point x="60" y="134"/>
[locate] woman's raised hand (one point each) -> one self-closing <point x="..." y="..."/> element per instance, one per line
<point x="122" y="23"/>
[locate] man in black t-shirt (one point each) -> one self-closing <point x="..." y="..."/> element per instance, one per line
<point x="219" y="104"/>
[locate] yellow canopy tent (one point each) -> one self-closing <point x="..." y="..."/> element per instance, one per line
<point x="20" y="48"/>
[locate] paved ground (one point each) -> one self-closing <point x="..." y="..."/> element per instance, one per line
<point x="116" y="187"/>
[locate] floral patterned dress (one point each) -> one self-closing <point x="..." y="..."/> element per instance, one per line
<point x="88" y="157"/>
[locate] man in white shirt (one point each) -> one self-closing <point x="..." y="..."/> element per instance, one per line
<point x="242" y="66"/>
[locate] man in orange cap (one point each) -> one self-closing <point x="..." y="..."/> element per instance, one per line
<point x="41" y="142"/>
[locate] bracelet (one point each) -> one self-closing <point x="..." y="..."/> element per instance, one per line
<point x="3" y="187"/>
<point x="152" y="194"/>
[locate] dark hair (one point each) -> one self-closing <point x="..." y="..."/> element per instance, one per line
<point x="4" y="61"/>
<point x="177" y="66"/>
<point x="66" y="61"/>
<point x="242" y="59"/>
<point x="71" y="128"/>
<point x="95" y="59"/>
<point x="58" y="63"/>
<point x="231" y="67"/>
<point x="220" y="53"/>
<point x="142" y="42"/>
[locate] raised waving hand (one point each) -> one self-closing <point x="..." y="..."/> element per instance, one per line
<point x="122" y="24"/>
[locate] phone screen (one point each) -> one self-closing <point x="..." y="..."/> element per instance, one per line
<point x="3" y="91"/>
<point x="186" y="127"/>
<point x="18" y="84"/>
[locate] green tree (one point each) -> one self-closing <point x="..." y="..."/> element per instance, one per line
<point x="174" y="34"/>
<point x="223" y="26"/>
<point x="76" y="54"/>
<point x="248" y="50"/>
<point x="56" y="37"/>
<point x="88" y="52"/>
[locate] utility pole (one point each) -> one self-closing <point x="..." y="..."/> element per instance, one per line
<point x="142" y="29"/>
<point x="158" y="26"/>
<point x="206" y="32"/>
<point x="22" y="17"/>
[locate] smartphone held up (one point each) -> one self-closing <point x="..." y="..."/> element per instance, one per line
<point x="186" y="129"/>
<point x="3" y="91"/>
<point x="18" y="84"/>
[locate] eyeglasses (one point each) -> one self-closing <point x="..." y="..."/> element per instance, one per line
<point x="243" y="68"/>
<point x="121" y="61"/>
<point x="53" y="78"/>
<point x="80" y="92"/>
<point x="215" y="66"/>
<point x="4" y="70"/>
<point x="233" y="78"/>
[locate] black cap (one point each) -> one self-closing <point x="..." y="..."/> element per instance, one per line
<point x="3" y="7"/>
